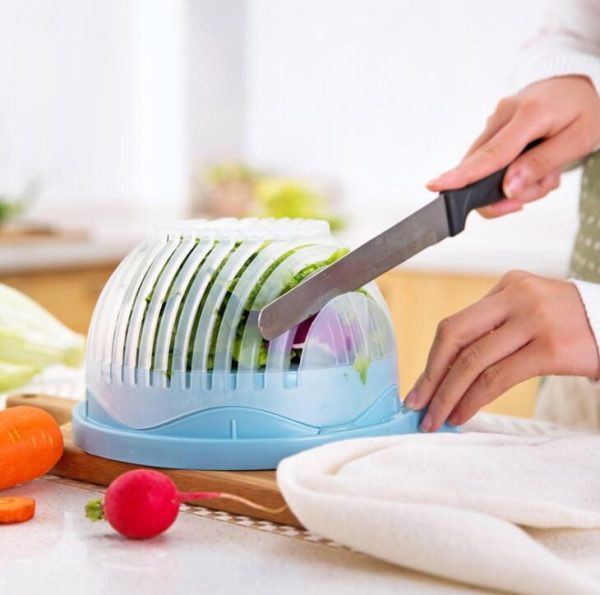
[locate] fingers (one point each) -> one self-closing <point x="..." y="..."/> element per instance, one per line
<point x="503" y="207"/>
<point x="563" y="111"/>
<point x="497" y="379"/>
<point x="502" y="115"/>
<point x="470" y="363"/>
<point x="504" y="112"/>
<point x="452" y="336"/>
<point x="529" y="193"/>
<point x="540" y="188"/>
<point x="526" y="326"/>
<point x="494" y="154"/>
<point x="545" y="159"/>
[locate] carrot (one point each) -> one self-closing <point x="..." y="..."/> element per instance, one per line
<point x="16" y="509"/>
<point x="30" y="444"/>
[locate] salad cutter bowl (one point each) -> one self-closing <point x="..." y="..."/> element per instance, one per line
<point x="179" y="376"/>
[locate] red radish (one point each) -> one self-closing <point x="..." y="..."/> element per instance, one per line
<point x="143" y="503"/>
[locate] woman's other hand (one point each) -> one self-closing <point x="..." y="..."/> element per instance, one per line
<point x="526" y="326"/>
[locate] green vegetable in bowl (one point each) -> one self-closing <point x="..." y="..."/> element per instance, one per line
<point x="239" y="357"/>
<point x="313" y="268"/>
<point x="31" y="339"/>
<point x="250" y="303"/>
<point x="361" y="365"/>
<point x="290" y="284"/>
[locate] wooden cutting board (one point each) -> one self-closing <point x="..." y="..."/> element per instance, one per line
<point x="258" y="486"/>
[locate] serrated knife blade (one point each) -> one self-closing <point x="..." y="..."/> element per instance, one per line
<point x="445" y="216"/>
<point x="425" y="227"/>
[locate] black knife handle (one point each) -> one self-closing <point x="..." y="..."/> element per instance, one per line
<point x="459" y="203"/>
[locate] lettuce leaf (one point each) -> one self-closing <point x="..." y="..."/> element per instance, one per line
<point x="32" y="339"/>
<point x="15" y="375"/>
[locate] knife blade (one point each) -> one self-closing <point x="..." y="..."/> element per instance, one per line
<point x="443" y="217"/>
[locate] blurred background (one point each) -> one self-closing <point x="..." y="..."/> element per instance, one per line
<point x="121" y="114"/>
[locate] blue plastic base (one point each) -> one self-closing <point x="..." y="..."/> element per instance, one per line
<point x="157" y="449"/>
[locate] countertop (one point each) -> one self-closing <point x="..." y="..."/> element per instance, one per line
<point x="60" y="551"/>
<point x="96" y="248"/>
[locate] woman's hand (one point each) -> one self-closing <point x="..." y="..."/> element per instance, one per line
<point x="526" y="326"/>
<point x="564" y="111"/>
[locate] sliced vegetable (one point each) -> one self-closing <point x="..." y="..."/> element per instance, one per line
<point x="361" y="365"/>
<point x="307" y="271"/>
<point x="16" y="509"/>
<point x="30" y="444"/>
<point x="250" y="304"/>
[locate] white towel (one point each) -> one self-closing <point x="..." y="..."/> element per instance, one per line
<point x="515" y="513"/>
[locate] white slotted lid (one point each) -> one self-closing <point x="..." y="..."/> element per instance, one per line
<point x="250" y="228"/>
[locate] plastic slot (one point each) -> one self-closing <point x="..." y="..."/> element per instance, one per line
<point x="124" y="314"/>
<point x="157" y="305"/>
<point x="252" y="340"/>
<point x="202" y="278"/>
<point x="238" y="302"/>
<point x="140" y="306"/>
<point x="172" y="312"/>
<point x="221" y="286"/>
<point x="106" y="311"/>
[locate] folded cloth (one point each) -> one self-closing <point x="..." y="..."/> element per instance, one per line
<point x="509" y="512"/>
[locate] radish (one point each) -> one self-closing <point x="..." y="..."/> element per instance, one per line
<point x="142" y="503"/>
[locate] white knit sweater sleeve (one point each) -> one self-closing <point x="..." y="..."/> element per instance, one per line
<point x="568" y="43"/>
<point x="590" y="296"/>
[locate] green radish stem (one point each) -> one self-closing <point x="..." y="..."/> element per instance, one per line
<point x="94" y="510"/>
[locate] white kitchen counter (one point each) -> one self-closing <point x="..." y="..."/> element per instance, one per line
<point x="60" y="551"/>
<point x="98" y="248"/>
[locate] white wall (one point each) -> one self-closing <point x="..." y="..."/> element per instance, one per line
<point x="216" y="83"/>
<point x="381" y="96"/>
<point x="117" y="103"/>
<point x="93" y="100"/>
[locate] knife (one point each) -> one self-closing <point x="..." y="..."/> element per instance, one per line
<point x="443" y="217"/>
